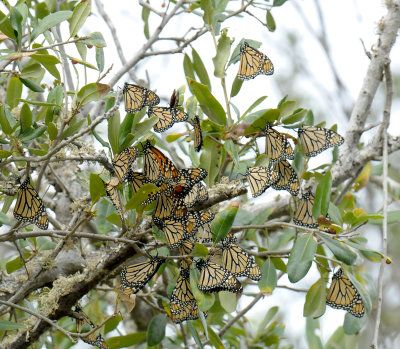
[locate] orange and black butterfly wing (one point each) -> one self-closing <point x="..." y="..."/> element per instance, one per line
<point x="29" y="206"/>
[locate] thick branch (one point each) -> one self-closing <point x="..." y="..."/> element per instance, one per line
<point x="349" y="158"/>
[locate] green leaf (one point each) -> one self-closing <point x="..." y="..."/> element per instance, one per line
<point x="278" y="3"/>
<point x="126" y="341"/>
<point x="228" y="301"/>
<point x="210" y="160"/>
<point x="95" y="39"/>
<point x="270" y="115"/>
<point x="352" y="325"/>
<point x="79" y="16"/>
<point x="195" y="334"/>
<point x="287" y="108"/>
<point x="5" y="153"/>
<point x="96" y="187"/>
<point x="200" y="250"/>
<point x="334" y="214"/>
<point x="92" y="92"/>
<point x="112" y="324"/>
<point x="50" y="21"/>
<point x="32" y="85"/>
<point x="100" y="58"/>
<point x="270" y="21"/>
<point x="268" y="279"/>
<point x="73" y="128"/>
<point x="208" y="103"/>
<point x="313" y="340"/>
<point x="236" y="86"/>
<point x="141" y="195"/>
<point x="49" y="63"/>
<point x="14" y="91"/>
<point x="222" y="223"/>
<point x="16" y="22"/>
<point x="222" y="56"/>
<point x="297" y="116"/>
<point x="144" y="127"/>
<point x="25" y="117"/>
<point x="14" y="265"/>
<point x="323" y="195"/>
<point x="254" y="105"/>
<point x="31" y="134"/>
<point x="301" y="257"/>
<point x="200" y="69"/>
<point x="188" y="68"/>
<point x="207" y="7"/>
<point x="232" y="150"/>
<point x="271" y="313"/>
<point x="214" y="339"/>
<point x="5" y="26"/>
<point x="339" y="249"/>
<point x="315" y="299"/>
<point x="156" y="329"/>
<point x="5" y="125"/>
<point x="9" y="325"/>
<point x="52" y="131"/>
<point x="113" y="131"/>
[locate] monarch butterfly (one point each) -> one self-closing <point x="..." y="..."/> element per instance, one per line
<point x="29" y="206"/>
<point x="277" y="147"/>
<point x="253" y="63"/>
<point x="197" y="194"/>
<point x="317" y="139"/>
<point x="123" y="161"/>
<point x="187" y="246"/>
<point x="303" y="215"/>
<point x="260" y="179"/>
<point x="112" y="193"/>
<point x="156" y="164"/>
<point x="197" y="134"/>
<point x="187" y="178"/>
<point x="342" y="294"/>
<point x="182" y="303"/>
<point x="136" y="276"/>
<point x="287" y="179"/>
<point x="177" y="230"/>
<point x="136" y="181"/>
<point x="137" y="97"/>
<point x="90" y="339"/>
<point x="214" y="278"/>
<point x="238" y="262"/>
<point x="205" y="234"/>
<point x="168" y="116"/>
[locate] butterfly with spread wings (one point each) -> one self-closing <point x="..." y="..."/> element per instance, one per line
<point x="317" y="139"/>
<point x="214" y="278"/>
<point x="253" y="63"/>
<point x="29" y="206"/>
<point x="136" y="276"/>
<point x="342" y="294"/>
<point x="138" y="97"/>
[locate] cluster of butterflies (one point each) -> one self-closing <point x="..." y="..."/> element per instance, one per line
<point x="179" y="191"/>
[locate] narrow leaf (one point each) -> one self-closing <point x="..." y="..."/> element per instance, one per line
<point x="50" y="21"/>
<point x="156" y="329"/>
<point x="79" y="16"/>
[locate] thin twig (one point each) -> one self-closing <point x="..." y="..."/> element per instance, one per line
<point x="383" y="129"/>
